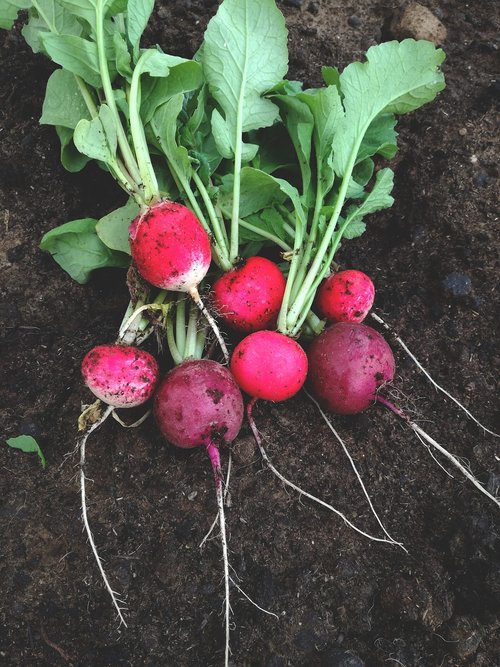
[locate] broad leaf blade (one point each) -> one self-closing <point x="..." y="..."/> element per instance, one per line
<point x="397" y="77"/>
<point x="9" y="9"/>
<point x="138" y="13"/>
<point x="63" y="104"/>
<point x="76" y="247"/>
<point x="244" y="55"/>
<point x="75" y="54"/>
<point x="113" y="228"/>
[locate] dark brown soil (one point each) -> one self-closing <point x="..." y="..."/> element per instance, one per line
<point x="340" y="599"/>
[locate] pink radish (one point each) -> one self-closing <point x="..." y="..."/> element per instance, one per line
<point x="198" y="404"/>
<point x="120" y="375"/>
<point x="346" y="296"/>
<point x="269" y="365"/>
<point x="170" y="247"/>
<point x="248" y="298"/>
<point x="171" y="250"/>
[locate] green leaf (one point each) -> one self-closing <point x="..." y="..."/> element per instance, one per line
<point x="380" y="138"/>
<point x="354" y="229"/>
<point x="122" y="57"/>
<point x="71" y="159"/>
<point x="258" y="190"/>
<point x="327" y="111"/>
<point x="299" y="122"/>
<point x="28" y="444"/>
<point x="397" y="77"/>
<point x="244" y="55"/>
<point x="63" y="103"/>
<point x="268" y="220"/>
<point x="9" y="9"/>
<point x="183" y="76"/>
<point x="48" y="16"/>
<point x="76" y="247"/>
<point x="331" y="76"/>
<point x="138" y="13"/>
<point x="97" y="138"/>
<point x="164" y="126"/>
<point x="75" y="54"/>
<point x="113" y="228"/>
<point x="378" y="199"/>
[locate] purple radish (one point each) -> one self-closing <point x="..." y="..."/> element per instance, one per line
<point x="198" y="404"/>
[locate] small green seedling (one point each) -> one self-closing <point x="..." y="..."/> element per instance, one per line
<point x="27" y="444"/>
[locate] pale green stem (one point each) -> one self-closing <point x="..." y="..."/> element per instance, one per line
<point x="214" y="219"/>
<point x="180" y="324"/>
<point x="265" y="235"/>
<point x="172" y="345"/>
<point x="191" y="334"/>
<point x="148" y="176"/>
<point x="302" y="296"/>
<point x="128" y="157"/>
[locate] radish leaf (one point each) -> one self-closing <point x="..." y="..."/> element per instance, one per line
<point x="27" y="443"/>
<point x="77" y="249"/>
<point x="243" y="55"/>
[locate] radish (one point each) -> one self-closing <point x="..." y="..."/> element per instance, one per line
<point x="348" y="363"/>
<point x="198" y="404"/>
<point x="172" y="251"/>
<point x="248" y="298"/>
<point x="269" y="365"/>
<point x="346" y="296"/>
<point x="120" y="375"/>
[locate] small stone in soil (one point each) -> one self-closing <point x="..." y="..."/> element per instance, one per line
<point x="457" y="284"/>
<point x="418" y="22"/>
<point x="294" y="3"/>
<point x="313" y="8"/>
<point x="354" y="21"/>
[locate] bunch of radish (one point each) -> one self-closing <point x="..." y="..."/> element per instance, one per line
<point x="209" y="206"/>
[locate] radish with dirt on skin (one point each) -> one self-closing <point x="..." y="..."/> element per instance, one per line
<point x="346" y="296"/>
<point x="121" y="376"/>
<point x="248" y="298"/>
<point x="198" y="404"/>
<point x="348" y="364"/>
<point x="171" y="250"/>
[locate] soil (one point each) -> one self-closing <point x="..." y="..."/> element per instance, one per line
<point x="339" y="599"/>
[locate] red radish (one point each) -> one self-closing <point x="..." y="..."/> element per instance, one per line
<point x="269" y="365"/>
<point x="120" y="375"/>
<point x="172" y="251"/>
<point x="346" y="296"/>
<point x="199" y="404"/>
<point x="347" y="364"/>
<point x="248" y="298"/>
<point x="170" y="247"/>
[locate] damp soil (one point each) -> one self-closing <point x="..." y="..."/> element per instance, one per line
<point x="339" y="600"/>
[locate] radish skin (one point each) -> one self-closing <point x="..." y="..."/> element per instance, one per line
<point x="122" y="376"/>
<point x="198" y="403"/>
<point x="346" y="296"/>
<point x="170" y="247"/>
<point x="348" y="363"/>
<point x="248" y="298"/>
<point x="269" y="365"/>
